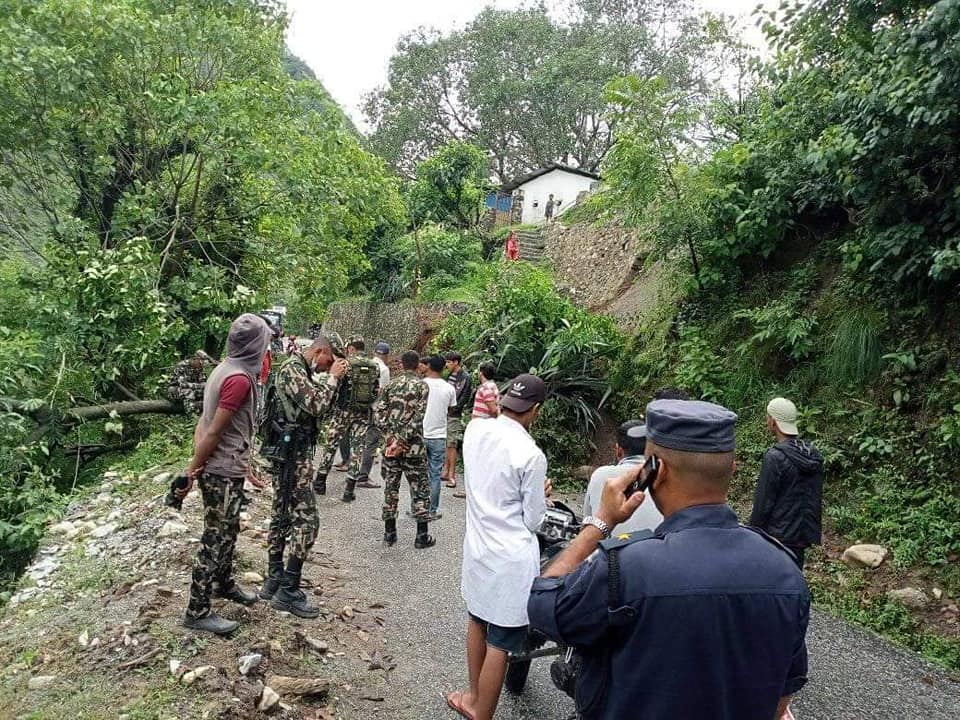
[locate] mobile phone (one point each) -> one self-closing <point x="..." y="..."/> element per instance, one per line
<point x="648" y="473"/>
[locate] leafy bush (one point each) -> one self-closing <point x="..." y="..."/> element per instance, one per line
<point x="523" y="325"/>
<point x="778" y="328"/>
<point x="699" y="369"/>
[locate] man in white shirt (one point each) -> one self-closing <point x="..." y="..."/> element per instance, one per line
<point x="442" y="397"/>
<point x="381" y="355"/>
<point x="631" y="444"/>
<point x="506" y="488"/>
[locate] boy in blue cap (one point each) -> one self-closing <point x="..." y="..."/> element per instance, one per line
<point x="701" y="618"/>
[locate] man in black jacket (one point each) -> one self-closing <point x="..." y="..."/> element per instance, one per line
<point x="788" y="499"/>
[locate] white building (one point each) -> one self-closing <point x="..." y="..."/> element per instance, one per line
<point x="556" y="185"/>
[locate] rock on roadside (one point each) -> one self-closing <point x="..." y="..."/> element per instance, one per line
<point x="172" y="528"/>
<point x="870" y="556"/>
<point x="910" y="597"/>
<point x="190" y="677"/>
<point x="103" y="531"/>
<point x="268" y="698"/>
<point x="246" y="663"/>
<point x="39" y="682"/>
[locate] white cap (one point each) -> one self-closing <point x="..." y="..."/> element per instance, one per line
<point x="784" y="414"/>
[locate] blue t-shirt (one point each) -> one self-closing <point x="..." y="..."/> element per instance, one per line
<point x="718" y="630"/>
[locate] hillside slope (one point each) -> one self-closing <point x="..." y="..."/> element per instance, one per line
<point x="94" y="630"/>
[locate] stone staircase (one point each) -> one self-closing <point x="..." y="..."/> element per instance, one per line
<point x="531" y="244"/>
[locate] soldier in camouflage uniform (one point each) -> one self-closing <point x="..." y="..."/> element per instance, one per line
<point x="398" y="414"/>
<point x="187" y="380"/>
<point x="305" y="387"/>
<point x="351" y="423"/>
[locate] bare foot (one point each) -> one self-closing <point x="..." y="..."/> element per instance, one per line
<point x="461" y="702"/>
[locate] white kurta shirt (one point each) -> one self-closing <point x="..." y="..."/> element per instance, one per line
<point x="504" y="472"/>
<point x="384" y="372"/>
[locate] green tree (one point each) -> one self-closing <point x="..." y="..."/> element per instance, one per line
<point x="450" y="187"/>
<point x="526" y="87"/>
<point x="175" y="129"/>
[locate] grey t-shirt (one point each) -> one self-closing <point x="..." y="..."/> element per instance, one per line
<point x="647" y="517"/>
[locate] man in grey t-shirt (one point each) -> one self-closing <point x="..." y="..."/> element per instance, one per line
<point x="631" y="443"/>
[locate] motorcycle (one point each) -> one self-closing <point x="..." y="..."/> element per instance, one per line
<point x="559" y="527"/>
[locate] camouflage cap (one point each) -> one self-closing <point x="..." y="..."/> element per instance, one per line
<point x="354" y="339"/>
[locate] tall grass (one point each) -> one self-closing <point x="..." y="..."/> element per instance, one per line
<point x="854" y="354"/>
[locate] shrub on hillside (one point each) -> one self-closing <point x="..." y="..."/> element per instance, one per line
<point x="524" y="325"/>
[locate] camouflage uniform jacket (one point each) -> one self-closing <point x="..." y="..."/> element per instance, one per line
<point x="399" y="411"/>
<point x="305" y="397"/>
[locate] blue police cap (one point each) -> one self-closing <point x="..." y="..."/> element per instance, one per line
<point x="691" y="426"/>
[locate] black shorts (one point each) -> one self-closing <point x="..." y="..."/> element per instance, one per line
<point x="509" y="639"/>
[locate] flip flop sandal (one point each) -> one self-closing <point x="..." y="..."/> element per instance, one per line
<point x="457" y="704"/>
<point x="459" y="494"/>
<point x="451" y="483"/>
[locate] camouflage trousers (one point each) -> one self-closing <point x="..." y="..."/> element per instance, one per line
<point x="415" y="468"/>
<point x="295" y="521"/>
<point x="352" y="425"/>
<point x="221" y="523"/>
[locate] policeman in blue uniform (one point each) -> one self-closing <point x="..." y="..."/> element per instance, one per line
<point x="703" y="618"/>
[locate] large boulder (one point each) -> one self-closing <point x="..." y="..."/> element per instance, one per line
<point x="911" y="597"/>
<point x="869" y="556"/>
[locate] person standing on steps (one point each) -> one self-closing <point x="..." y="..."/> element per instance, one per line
<point x="351" y="418"/>
<point x="381" y="356"/>
<point x="702" y="618"/>
<point x="505" y="475"/>
<point x="788" y="500"/>
<point x="302" y="394"/>
<point x="460" y="379"/>
<point x="398" y="414"/>
<point x="222" y="443"/>
<point x="442" y="397"/>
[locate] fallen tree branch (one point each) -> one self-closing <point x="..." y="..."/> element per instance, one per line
<point x="140" y="660"/>
<point x="93" y="412"/>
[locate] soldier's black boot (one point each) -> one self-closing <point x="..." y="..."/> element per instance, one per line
<point x="275" y="575"/>
<point x="320" y="484"/>
<point x="211" y="622"/>
<point x="348" y="495"/>
<point x="424" y="539"/>
<point x="290" y="598"/>
<point x="229" y="590"/>
<point x="390" y="532"/>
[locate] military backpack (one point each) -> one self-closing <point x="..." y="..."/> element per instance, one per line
<point x="359" y="392"/>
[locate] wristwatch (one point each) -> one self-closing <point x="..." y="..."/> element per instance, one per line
<point x="599" y="524"/>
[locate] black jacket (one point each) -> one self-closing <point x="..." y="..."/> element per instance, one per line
<point x="788" y="500"/>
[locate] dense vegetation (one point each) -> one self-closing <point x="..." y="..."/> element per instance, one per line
<point x="167" y="165"/>
<point x="528" y="88"/>
<point x="162" y="171"/>
<point x="816" y="237"/>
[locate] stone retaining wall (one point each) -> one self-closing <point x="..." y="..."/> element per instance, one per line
<point x="403" y="325"/>
<point x="592" y="264"/>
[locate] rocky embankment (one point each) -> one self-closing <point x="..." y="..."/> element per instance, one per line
<point x="94" y="631"/>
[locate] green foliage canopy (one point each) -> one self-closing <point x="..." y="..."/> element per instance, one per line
<point x="527" y="87"/>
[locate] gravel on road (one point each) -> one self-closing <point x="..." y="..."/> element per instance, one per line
<point x="854" y="674"/>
